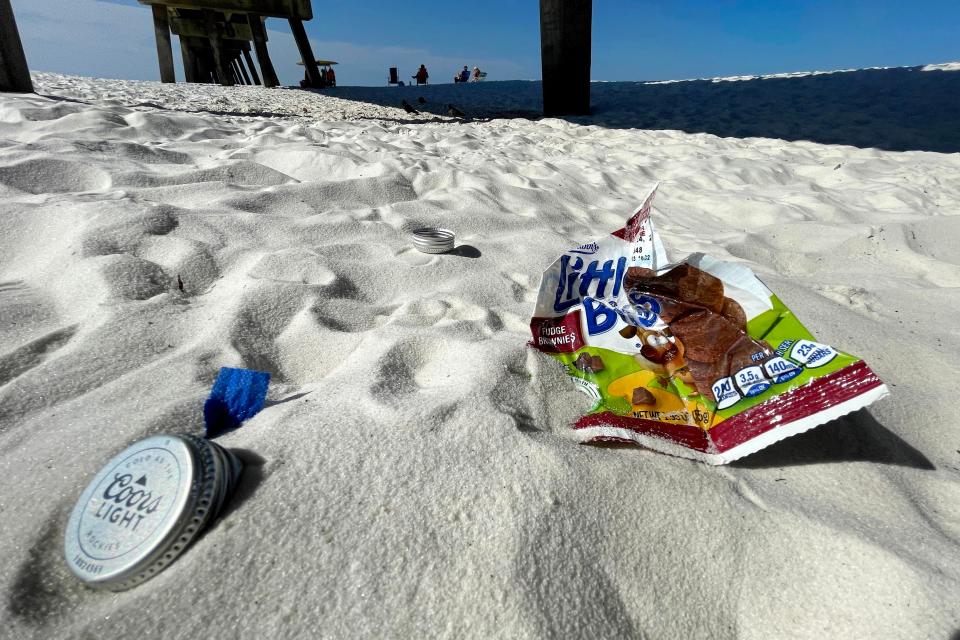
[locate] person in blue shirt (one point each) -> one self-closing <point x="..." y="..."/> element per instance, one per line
<point x="464" y="75"/>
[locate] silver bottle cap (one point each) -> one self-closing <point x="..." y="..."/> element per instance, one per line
<point x="433" y="240"/>
<point x="145" y="507"/>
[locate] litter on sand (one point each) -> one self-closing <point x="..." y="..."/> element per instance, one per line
<point x="696" y="358"/>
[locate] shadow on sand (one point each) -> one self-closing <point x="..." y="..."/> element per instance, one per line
<point x="898" y="109"/>
<point x="856" y="437"/>
<point x="465" y="251"/>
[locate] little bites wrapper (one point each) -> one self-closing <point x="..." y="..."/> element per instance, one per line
<point x="696" y="359"/>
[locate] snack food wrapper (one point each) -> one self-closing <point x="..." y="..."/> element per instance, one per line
<point x="696" y="359"/>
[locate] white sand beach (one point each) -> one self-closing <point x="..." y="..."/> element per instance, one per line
<point x="412" y="474"/>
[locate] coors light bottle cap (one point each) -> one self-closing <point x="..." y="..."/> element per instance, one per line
<point x="145" y="507"/>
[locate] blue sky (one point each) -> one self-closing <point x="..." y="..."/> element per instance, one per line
<point x="631" y="40"/>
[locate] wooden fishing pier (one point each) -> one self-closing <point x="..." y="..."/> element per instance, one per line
<point x="216" y="37"/>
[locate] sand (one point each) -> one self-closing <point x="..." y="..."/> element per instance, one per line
<point x="412" y="473"/>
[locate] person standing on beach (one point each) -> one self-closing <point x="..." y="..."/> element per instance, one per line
<point x="422" y="75"/>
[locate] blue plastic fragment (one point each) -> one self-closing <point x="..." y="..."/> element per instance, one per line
<point x="237" y="395"/>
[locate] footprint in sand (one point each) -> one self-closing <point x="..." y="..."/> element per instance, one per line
<point x="139" y="153"/>
<point x="127" y="277"/>
<point x="238" y="172"/>
<point x="25" y="313"/>
<point x="324" y="333"/>
<point x="43" y="589"/>
<point x="311" y="198"/>
<point x="347" y="315"/>
<point x="394" y="376"/>
<point x="515" y="396"/>
<point x="52" y="175"/>
<point x="16" y="362"/>
<point x="190" y="260"/>
<point x="427" y="368"/>
<point x="297" y="265"/>
<point x="29" y="331"/>
<point x="120" y="227"/>
<point x="262" y="316"/>
<point x="50" y="112"/>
